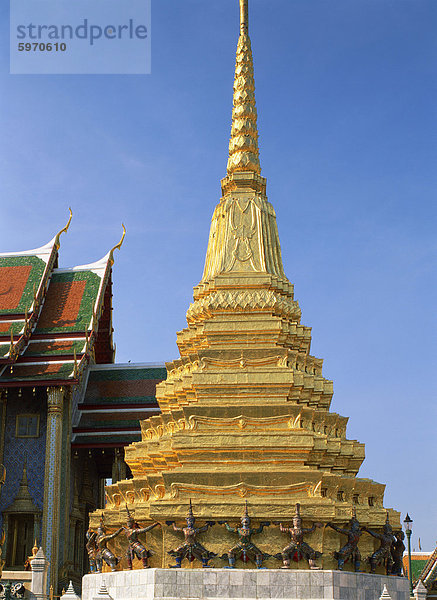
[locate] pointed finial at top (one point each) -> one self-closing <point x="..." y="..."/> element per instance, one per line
<point x="70" y="594"/>
<point x="385" y="595"/>
<point x="190" y="511"/>
<point x="244" y="17"/>
<point x="117" y="246"/>
<point x="297" y="519"/>
<point x="64" y="229"/>
<point x="24" y="476"/>
<point x="243" y="145"/>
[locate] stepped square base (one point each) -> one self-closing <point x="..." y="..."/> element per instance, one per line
<point x="215" y="584"/>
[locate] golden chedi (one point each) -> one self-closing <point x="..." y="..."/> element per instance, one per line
<point x="245" y="409"/>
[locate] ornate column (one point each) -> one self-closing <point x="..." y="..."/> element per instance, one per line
<point x="52" y="482"/>
<point x="3" y="405"/>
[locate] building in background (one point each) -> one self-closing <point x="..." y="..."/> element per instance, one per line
<point x="423" y="568"/>
<point x="66" y="412"/>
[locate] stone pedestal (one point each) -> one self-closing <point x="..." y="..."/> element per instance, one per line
<point x="39" y="566"/>
<point x="213" y="584"/>
<point x="420" y="591"/>
<point x="70" y="594"/>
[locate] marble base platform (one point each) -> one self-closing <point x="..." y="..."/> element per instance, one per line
<point x="227" y="584"/>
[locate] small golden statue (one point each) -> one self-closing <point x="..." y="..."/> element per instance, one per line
<point x="29" y="559"/>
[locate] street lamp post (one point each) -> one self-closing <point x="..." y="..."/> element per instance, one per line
<point x="408" y="530"/>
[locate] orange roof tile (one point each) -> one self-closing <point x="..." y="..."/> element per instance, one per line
<point x="62" y="304"/>
<point x="12" y="283"/>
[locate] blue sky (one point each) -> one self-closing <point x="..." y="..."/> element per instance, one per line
<point x="346" y="96"/>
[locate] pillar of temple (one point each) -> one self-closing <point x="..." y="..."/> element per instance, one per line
<point x="52" y="481"/>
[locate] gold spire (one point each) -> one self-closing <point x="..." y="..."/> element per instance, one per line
<point x="244" y="17"/>
<point x="245" y="408"/>
<point x="243" y="145"/>
<point x="244" y="235"/>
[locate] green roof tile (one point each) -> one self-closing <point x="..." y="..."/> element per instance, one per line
<point x="417" y="568"/>
<point x="35" y="371"/>
<point x="116" y="400"/>
<point x="4" y="349"/>
<point x="55" y="347"/>
<point x="96" y="421"/>
<point x="5" y="329"/>
<point x="122" y="438"/>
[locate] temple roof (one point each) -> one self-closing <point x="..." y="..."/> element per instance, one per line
<point x="23" y="284"/>
<point x="429" y="571"/>
<point x="115" y="398"/>
<point x="53" y="321"/>
<point x="22" y="275"/>
<point x="419" y="560"/>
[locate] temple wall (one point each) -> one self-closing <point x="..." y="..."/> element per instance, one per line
<point x="17" y="450"/>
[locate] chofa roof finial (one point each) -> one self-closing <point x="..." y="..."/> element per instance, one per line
<point x="117" y="246"/>
<point x="64" y="229"/>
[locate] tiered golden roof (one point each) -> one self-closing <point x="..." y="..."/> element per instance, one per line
<point x="245" y="409"/>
